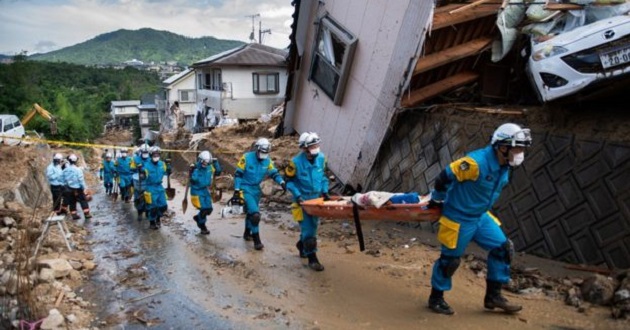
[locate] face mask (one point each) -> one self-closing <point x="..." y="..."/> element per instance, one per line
<point x="262" y="155"/>
<point x="144" y="156"/>
<point x="517" y="159"/>
<point x="314" y="152"/>
<point x="204" y="164"/>
<point x="155" y="159"/>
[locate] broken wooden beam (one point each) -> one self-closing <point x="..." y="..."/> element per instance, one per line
<point x="443" y="19"/>
<point x="468" y="6"/>
<point x="452" y="54"/>
<point x="430" y="91"/>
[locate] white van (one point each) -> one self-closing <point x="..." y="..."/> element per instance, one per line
<point x="10" y="125"/>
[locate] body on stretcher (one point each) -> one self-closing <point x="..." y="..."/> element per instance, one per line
<point x="380" y="207"/>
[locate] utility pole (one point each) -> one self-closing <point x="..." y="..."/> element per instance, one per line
<point x="261" y="32"/>
<point x="252" y="37"/>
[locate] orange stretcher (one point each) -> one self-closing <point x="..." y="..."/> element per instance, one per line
<point x="343" y="209"/>
<point x="340" y="208"/>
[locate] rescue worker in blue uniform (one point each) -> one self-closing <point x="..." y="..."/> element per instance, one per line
<point x="106" y="173"/>
<point x="251" y="170"/>
<point x="141" y="158"/>
<point x="54" y="174"/>
<point x="201" y="175"/>
<point x="124" y="172"/>
<point x="306" y="179"/>
<point x="75" y="188"/>
<point x="153" y="173"/>
<point x="465" y="191"/>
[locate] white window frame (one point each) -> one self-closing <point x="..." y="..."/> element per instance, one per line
<point x="256" y="78"/>
<point x="325" y="67"/>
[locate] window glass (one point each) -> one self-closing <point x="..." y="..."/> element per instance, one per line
<point x="17" y="123"/>
<point x="266" y="83"/>
<point x="333" y="52"/>
<point x="1" y="128"/>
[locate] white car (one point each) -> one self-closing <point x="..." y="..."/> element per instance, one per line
<point x="10" y="126"/>
<point x="582" y="59"/>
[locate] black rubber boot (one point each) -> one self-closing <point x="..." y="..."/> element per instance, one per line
<point x="494" y="299"/>
<point x="258" y="245"/>
<point x="438" y="304"/>
<point x="204" y="229"/>
<point x="87" y="215"/>
<point x="152" y="225"/>
<point x="313" y="263"/>
<point x="247" y="235"/>
<point x="158" y="223"/>
<point x="300" y="246"/>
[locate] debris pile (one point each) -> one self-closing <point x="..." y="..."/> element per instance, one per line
<point x="576" y="291"/>
<point x="43" y="289"/>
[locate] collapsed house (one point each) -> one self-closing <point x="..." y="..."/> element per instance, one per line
<point x="369" y="78"/>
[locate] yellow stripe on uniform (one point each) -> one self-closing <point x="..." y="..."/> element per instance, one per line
<point x="241" y="163"/>
<point x="290" y="170"/>
<point x="494" y="218"/>
<point x="465" y="168"/>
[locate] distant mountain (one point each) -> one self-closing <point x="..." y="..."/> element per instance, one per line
<point x="145" y="45"/>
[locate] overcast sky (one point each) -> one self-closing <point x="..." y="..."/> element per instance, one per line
<point x="39" y="26"/>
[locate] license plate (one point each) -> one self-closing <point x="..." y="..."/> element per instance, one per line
<point x="615" y="57"/>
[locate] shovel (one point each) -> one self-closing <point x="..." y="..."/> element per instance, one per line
<point x="185" y="201"/>
<point x="170" y="192"/>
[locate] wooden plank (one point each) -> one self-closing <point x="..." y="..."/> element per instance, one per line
<point x="444" y="19"/>
<point x="452" y="54"/>
<point x="420" y="95"/>
<point x="468" y="6"/>
<point x="563" y="6"/>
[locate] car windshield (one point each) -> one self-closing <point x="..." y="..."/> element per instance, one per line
<point x="1" y="129"/>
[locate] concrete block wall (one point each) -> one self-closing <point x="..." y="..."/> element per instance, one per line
<point x="570" y="201"/>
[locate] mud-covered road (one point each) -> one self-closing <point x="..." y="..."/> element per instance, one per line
<point x="174" y="278"/>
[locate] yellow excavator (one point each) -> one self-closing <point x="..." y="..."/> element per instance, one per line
<point x="37" y="109"/>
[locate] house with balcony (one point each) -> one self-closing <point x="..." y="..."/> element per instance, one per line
<point x="178" y="88"/>
<point x="149" y="121"/>
<point x="123" y="112"/>
<point x="243" y="83"/>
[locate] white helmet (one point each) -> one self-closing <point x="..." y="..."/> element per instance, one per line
<point x="303" y="138"/>
<point x="511" y="135"/>
<point x="263" y="145"/>
<point x="73" y="158"/>
<point x="205" y="156"/>
<point x="144" y="148"/>
<point x="311" y="139"/>
<point x="155" y="150"/>
<point x="58" y="156"/>
<point x="108" y="155"/>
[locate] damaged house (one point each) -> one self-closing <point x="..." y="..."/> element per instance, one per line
<point x="375" y="80"/>
<point x="242" y="83"/>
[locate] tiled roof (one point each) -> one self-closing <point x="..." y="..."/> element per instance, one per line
<point x="247" y="55"/>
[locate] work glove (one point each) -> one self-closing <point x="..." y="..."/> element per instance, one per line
<point x="433" y="204"/>
<point x="100" y="177"/>
<point x="142" y="175"/>
<point x="299" y="200"/>
<point x="191" y="169"/>
<point x="326" y="196"/>
<point x="284" y="186"/>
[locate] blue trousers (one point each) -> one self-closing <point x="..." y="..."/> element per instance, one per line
<point x="202" y="200"/>
<point x="308" y="229"/>
<point x="155" y="198"/>
<point x="251" y="195"/>
<point x="487" y="234"/>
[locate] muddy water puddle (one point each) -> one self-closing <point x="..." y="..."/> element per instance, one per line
<point x="146" y="277"/>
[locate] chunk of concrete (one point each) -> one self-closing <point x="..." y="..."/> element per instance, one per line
<point x="60" y="267"/>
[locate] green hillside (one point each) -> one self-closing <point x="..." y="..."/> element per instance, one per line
<point x="146" y="45"/>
